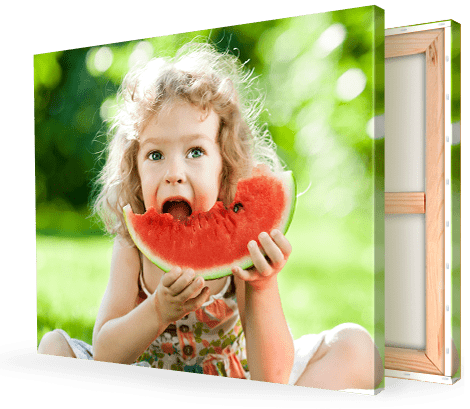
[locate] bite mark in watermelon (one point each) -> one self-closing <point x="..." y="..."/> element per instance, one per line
<point x="212" y="242"/>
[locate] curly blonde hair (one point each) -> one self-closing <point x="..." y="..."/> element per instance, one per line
<point x="206" y="78"/>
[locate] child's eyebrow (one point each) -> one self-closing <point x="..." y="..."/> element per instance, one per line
<point x="163" y="141"/>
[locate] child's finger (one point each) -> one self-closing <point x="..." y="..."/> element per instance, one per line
<point x="282" y="242"/>
<point x="259" y="261"/>
<point x="193" y="304"/>
<point x="271" y="249"/>
<point x="191" y="290"/>
<point x="244" y="275"/>
<point x="169" y="278"/>
<point x="186" y="277"/>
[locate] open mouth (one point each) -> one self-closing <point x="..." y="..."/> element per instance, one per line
<point x="179" y="209"/>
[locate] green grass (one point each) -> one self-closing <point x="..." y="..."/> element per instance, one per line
<point x="72" y="275"/>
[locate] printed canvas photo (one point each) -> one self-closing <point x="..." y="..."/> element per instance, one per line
<point x="212" y="202"/>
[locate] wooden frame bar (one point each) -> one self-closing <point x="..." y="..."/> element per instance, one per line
<point x="430" y="360"/>
<point x="405" y="202"/>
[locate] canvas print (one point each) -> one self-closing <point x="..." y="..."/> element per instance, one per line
<point x="212" y="202"/>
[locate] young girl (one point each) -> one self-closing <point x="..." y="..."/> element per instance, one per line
<point x="186" y="133"/>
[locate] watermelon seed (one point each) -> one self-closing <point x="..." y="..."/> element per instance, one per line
<point x="237" y="207"/>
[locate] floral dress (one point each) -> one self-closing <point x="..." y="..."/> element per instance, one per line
<point x="209" y="340"/>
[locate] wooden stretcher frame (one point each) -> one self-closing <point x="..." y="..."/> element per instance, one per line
<point x="435" y="359"/>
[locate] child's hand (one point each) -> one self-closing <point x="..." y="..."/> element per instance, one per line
<point x="277" y="248"/>
<point x="179" y="293"/>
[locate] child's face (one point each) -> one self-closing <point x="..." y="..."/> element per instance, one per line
<point x="179" y="161"/>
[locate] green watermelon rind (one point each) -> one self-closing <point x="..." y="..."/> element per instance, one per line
<point x="225" y="270"/>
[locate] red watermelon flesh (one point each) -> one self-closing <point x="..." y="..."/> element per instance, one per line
<point x="214" y="241"/>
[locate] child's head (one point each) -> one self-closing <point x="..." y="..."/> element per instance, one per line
<point x="179" y="161"/>
<point x="210" y="85"/>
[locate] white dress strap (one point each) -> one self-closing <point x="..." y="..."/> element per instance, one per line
<point x="142" y="284"/>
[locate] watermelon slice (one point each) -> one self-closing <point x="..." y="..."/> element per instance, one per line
<point x="212" y="242"/>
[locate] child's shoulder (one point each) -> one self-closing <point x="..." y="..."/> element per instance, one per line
<point x="124" y="245"/>
<point x="125" y="259"/>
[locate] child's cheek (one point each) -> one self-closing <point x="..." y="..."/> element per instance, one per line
<point x="209" y="199"/>
<point x="205" y="201"/>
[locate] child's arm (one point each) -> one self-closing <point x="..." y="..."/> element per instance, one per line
<point x="270" y="348"/>
<point x="122" y="331"/>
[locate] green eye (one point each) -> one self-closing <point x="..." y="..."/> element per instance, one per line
<point x="195" y="153"/>
<point x="155" y="155"/>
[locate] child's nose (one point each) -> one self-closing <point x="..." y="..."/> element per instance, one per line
<point x="175" y="174"/>
<point x="174" y="179"/>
